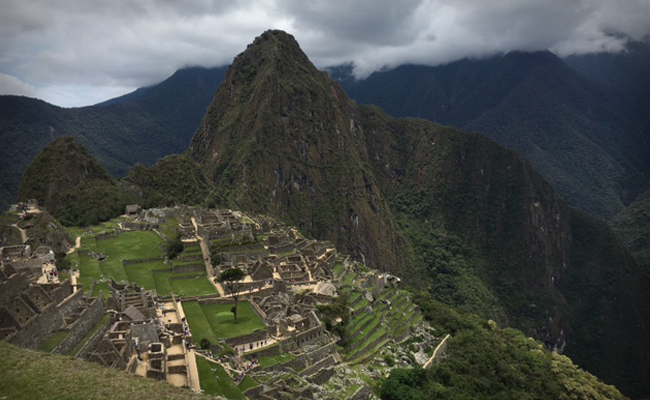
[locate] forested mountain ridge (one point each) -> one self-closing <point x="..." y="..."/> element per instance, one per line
<point x="588" y="140"/>
<point x="281" y="138"/>
<point x="137" y="128"/>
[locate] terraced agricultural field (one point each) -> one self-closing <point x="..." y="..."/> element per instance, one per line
<point x="151" y="274"/>
<point x="215" y="321"/>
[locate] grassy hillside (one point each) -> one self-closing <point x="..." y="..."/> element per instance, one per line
<point x="28" y="374"/>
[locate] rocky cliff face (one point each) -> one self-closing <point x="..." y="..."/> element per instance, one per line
<point x="281" y="138"/>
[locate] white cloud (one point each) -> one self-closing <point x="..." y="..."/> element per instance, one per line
<point x="12" y="85"/>
<point x="76" y="51"/>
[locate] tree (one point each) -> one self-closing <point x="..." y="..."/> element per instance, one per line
<point x="174" y="246"/>
<point x="231" y="278"/>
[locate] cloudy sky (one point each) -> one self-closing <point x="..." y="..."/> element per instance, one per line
<point x="80" y="52"/>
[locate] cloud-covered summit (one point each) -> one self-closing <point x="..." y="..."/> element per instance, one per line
<point x="73" y="53"/>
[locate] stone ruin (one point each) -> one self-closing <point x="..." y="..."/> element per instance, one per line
<point x="30" y="312"/>
<point x="141" y="338"/>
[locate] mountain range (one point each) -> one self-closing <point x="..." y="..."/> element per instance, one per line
<point x="463" y="219"/>
<point x="582" y="122"/>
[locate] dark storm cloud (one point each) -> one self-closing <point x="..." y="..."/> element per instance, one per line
<point x="76" y="52"/>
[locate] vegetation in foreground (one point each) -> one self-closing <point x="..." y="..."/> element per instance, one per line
<point x="28" y="375"/>
<point x="485" y="362"/>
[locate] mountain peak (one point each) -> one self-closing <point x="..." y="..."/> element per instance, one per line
<point x="274" y="50"/>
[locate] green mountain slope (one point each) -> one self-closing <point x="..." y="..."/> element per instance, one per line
<point x="71" y="184"/>
<point x="633" y="226"/>
<point x="173" y="180"/>
<point x="423" y="200"/>
<point x="282" y="138"/>
<point x="137" y="128"/>
<point x="585" y="138"/>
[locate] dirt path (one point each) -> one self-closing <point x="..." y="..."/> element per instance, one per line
<point x="23" y="233"/>
<point x="205" y="252"/>
<point x="77" y="244"/>
<point x="439" y="349"/>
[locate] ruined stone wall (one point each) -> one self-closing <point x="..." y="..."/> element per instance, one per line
<point x="94" y="340"/>
<point x="326" y="362"/>
<point x="38" y="329"/>
<point x="310" y="336"/>
<point x="107" y="235"/>
<point x="257" y="310"/>
<point x="13" y="286"/>
<point x="188" y="268"/>
<point x="139" y="226"/>
<point x="321" y="376"/>
<point x="140" y="261"/>
<point x="86" y="321"/>
<point x="59" y="291"/>
<point x="245" y="339"/>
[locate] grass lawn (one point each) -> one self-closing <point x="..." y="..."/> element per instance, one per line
<point x="214" y="321"/>
<point x="137" y="245"/>
<point x="88" y="269"/>
<point x="247" y="383"/>
<point x="28" y="374"/>
<point x="169" y="227"/>
<point x="131" y="245"/>
<point x="216" y="381"/>
<point x="54" y="340"/>
<point x="268" y="361"/>
<point x="192" y="285"/>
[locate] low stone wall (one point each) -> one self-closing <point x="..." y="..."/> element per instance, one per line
<point x="86" y="321"/>
<point x="321" y="352"/>
<point x="253" y="392"/>
<point x="321" y="376"/>
<point x="326" y="362"/>
<point x="193" y="257"/>
<point x="140" y="261"/>
<point x="256" y="308"/>
<point x="269" y="351"/>
<point x="107" y="235"/>
<point x="188" y="268"/>
<point x="139" y="226"/>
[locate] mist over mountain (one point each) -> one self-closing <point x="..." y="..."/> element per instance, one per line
<point x="585" y="129"/>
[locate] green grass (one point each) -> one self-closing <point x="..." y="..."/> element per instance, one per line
<point x="215" y="321"/>
<point x="269" y="361"/>
<point x="131" y="245"/>
<point x="247" y="383"/>
<point x="216" y="381"/>
<point x="169" y="227"/>
<point x="137" y="245"/>
<point x="54" y="340"/>
<point x="28" y="374"/>
<point x="193" y="285"/>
